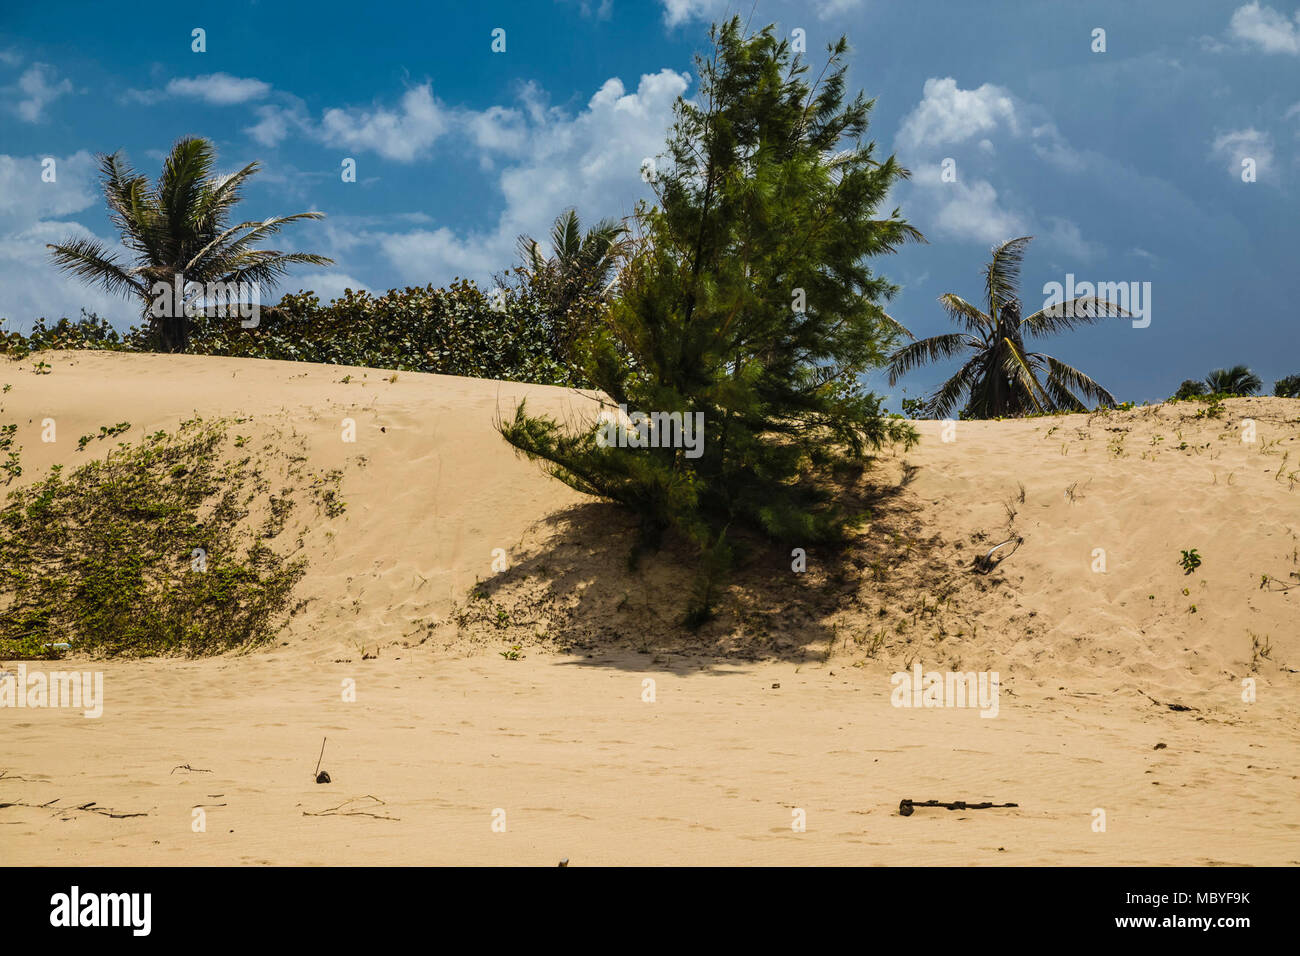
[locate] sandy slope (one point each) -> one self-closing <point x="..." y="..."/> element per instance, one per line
<point x="403" y="600"/>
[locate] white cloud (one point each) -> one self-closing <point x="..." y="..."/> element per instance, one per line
<point x="33" y="213"/>
<point x="498" y="129"/>
<point x="36" y="90"/>
<point x="403" y="134"/>
<point x="1265" y="29"/>
<point x="551" y="160"/>
<point x="220" y="89"/>
<point x="1065" y="236"/>
<point x="25" y="197"/>
<point x="32" y="287"/>
<point x="217" y="89"/>
<point x="833" y="8"/>
<point x="599" y="10"/>
<point x="679" y="11"/>
<point x="962" y="210"/>
<point x="974" y="127"/>
<point x="274" y="123"/>
<point x="1236" y="145"/>
<point x="948" y="115"/>
<point x="326" y="285"/>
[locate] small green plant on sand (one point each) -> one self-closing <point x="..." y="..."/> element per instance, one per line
<point x="1190" y="561"/>
<point x="153" y="550"/>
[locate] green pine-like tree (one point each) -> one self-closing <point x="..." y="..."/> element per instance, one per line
<point x="746" y="295"/>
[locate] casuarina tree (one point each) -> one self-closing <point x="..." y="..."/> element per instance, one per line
<point x="746" y="303"/>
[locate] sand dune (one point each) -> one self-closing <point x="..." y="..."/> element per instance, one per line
<point x="781" y="704"/>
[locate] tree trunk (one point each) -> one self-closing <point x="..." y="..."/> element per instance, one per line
<point x="173" y="333"/>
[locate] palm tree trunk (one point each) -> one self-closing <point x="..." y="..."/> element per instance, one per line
<point x="173" y="333"/>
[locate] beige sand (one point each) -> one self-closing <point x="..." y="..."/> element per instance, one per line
<point x="403" y="600"/>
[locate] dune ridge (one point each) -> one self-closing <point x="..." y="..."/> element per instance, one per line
<point x="523" y="690"/>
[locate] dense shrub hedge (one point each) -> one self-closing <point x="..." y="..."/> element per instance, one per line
<point x="457" y="330"/>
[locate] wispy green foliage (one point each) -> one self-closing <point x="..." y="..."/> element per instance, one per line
<point x="747" y="296"/>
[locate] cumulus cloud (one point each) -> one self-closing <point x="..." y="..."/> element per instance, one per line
<point x="220" y="89"/>
<point x="1265" y="29"/>
<point x="549" y="160"/>
<point x="973" y="127"/>
<point x="1234" y="146"/>
<point x="403" y="133"/>
<point x="26" y="197"/>
<point x="217" y="89"/>
<point x="680" y="11"/>
<point x="326" y="285"/>
<point x="36" y="89"/>
<point x="948" y="115"/>
<point x="962" y="210"/>
<point x="32" y="213"/>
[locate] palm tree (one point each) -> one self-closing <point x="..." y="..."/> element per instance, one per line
<point x="179" y="227"/>
<point x="580" y="265"/>
<point x="1001" y="378"/>
<point x="1237" y="380"/>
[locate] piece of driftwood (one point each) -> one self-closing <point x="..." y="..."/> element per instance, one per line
<point x="352" y="810"/>
<point x="1175" y="707"/>
<point x="985" y="563"/>
<point x="90" y="807"/>
<point x="321" y="775"/>
<point x="907" y="807"/>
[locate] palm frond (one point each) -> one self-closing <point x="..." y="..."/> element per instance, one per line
<point x="1016" y="367"/>
<point x="221" y="248"/>
<point x="566" y="235"/>
<point x="925" y="351"/>
<point x="965" y="314"/>
<point x="1002" y="274"/>
<point x="1063" y="316"/>
<point x="89" y="259"/>
<point x="944" y="401"/>
<point x="1076" y="382"/>
<point x="266" y="267"/>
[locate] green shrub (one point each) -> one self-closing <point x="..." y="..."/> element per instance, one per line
<point x="457" y="330"/>
<point x="747" y="305"/>
<point x="87" y="332"/>
<point x="107" y="558"/>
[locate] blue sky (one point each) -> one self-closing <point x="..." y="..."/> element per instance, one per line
<point x="1126" y="165"/>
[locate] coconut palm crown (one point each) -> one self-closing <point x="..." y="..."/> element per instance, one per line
<point x="580" y="265"/>
<point x="1000" y="377"/>
<point x="179" y="227"/>
<point x="1238" y="380"/>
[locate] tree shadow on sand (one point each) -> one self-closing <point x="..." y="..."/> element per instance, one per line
<point x="571" y="587"/>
